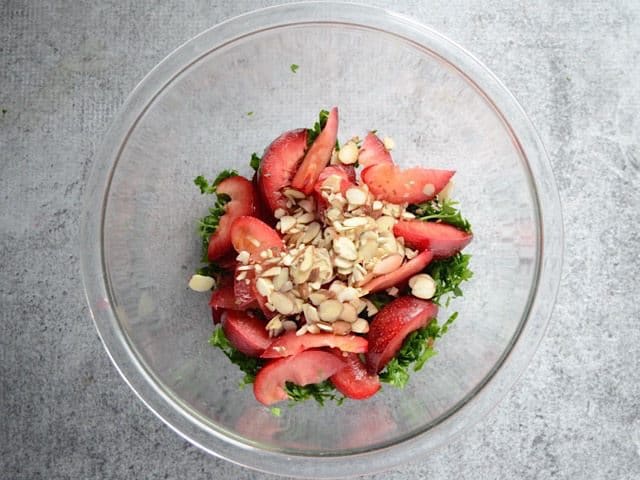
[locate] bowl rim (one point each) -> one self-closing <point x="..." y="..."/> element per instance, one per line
<point x="487" y="394"/>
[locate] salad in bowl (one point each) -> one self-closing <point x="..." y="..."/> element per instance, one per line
<point x="327" y="268"/>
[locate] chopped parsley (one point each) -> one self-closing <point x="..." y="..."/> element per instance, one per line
<point x="294" y="68"/>
<point x="250" y="114"/>
<point x="312" y="133"/>
<point x="249" y="365"/>
<point x="448" y="274"/>
<point x="207" y="187"/>
<point x="415" y="351"/>
<point x="208" y="224"/>
<point x="320" y="392"/>
<point x="255" y="161"/>
<point x="445" y="211"/>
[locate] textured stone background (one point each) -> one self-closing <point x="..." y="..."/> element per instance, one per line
<point x="65" y="68"/>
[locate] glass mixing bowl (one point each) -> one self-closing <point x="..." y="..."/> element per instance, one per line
<point x="189" y="116"/>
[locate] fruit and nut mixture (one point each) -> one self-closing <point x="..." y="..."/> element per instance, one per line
<point x="328" y="267"/>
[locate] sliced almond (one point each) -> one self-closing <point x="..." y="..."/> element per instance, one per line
<point x="345" y="248"/>
<point x="311" y="232"/>
<point x="342" y="263"/>
<point x="356" y="276"/>
<point x="280" y="279"/>
<point x="388" y="264"/>
<point x="293" y="194"/>
<point x="299" y="276"/>
<point x="317" y="298"/>
<point x="330" y="310"/>
<point x="310" y="313"/>
<point x="286" y="223"/>
<point x="415" y="278"/>
<point x="385" y="223"/>
<point x="341" y="327"/>
<point x="332" y="183"/>
<point x="305" y="218"/>
<point x="279" y="213"/>
<point x="264" y="286"/>
<point x="367" y="250"/>
<point x="389" y="143"/>
<point x="368" y="235"/>
<point x="360" y="326"/>
<point x="333" y="213"/>
<point x="422" y="286"/>
<point x="201" y="283"/>
<point x="355" y="222"/>
<point x="287" y="260"/>
<point x="243" y="257"/>
<point x="337" y="200"/>
<point x="274" y="327"/>
<point x="371" y="308"/>
<point x="282" y="303"/>
<point x="356" y="196"/>
<point x="271" y="272"/>
<point x="307" y="259"/>
<point x="389" y="245"/>
<point x="324" y="327"/>
<point x="349" y="313"/>
<point x="348" y="154"/>
<point x="313" y="329"/>
<point x="359" y="305"/>
<point x="392" y="210"/>
<point x="347" y="294"/>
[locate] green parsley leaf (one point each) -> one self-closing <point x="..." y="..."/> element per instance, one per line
<point x="416" y="350"/>
<point x="312" y="133"/>
<point x="250" y="114"/>
<point x="223" y="176"/>
<point x="210" y="187"/>
<point x="445" y="211"/>
<point x="294" y="68"/>
<point x="449" y="273"/>
<point x="208" y="224"/>
<point x="276" y="412"/>
<point x="320" y="392"/>
<point x="249" y="365"/>
<point x="203" y="184"/>
<point x="255" y="161"/>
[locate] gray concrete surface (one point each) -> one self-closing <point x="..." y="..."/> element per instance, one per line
<point x="65" y="68"/>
